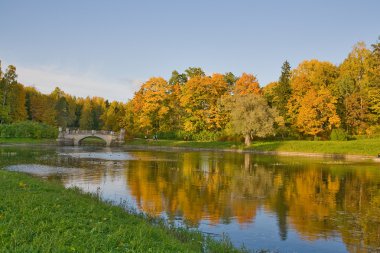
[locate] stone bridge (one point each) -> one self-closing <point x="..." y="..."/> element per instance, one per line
<point x="73" y="137"/>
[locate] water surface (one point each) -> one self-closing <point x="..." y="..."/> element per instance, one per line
<point x="259" y="201"/>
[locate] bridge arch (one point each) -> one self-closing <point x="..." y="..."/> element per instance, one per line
<point x="102" y="141"/>
<point x="105" y="138"/>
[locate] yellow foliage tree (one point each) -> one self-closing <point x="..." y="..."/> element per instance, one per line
<point x="309" y="74"/>
<point x="199" y="99"/>
<point x="151" y="105"/>
<point x="317" y="113"/>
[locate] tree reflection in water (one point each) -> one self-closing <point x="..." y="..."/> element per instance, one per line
<point x="319" y="200"/>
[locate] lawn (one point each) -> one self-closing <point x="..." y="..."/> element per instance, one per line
<point x="43" y="216"/>
<point x="365" y="146"/>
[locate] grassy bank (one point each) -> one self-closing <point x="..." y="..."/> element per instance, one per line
<point x="26" y="141"/>
<point x="40" y="216"/>
<point x="369" y="147"/>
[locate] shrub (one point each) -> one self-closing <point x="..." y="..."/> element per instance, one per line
<point x="167" y="135"/>
<point x="338" y="134"/>
<point x="373" y="131"/>
<point x="206" y="136"/>
<point x="28" y="129"/>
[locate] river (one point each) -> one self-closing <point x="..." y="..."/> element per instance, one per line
<point x="288" y="204"/>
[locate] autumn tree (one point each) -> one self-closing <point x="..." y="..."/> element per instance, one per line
<point x="269" y="93"/>
<point x="176" y="82"/>
<point x="317" y="114"/>
<point x="357" y="116"/>
<point x="251" y="116"/>
<point x="308" y="75"/>
<point x="16" y="101"/>
<point x="199" y="99"/>
<point x="151" y="105"/>
<point x="374" y="82"/>
<point x="128" y="121"/>
<point x="40" y="107"/>
<point x="247" y="84"/>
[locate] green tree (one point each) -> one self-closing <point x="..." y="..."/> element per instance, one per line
<point x="177" y="78"/>
<point x="113" y="116"/>
<point x="194" y="71"/>
<point x="230" y="79"/>
<point x="355" y="78"/>
<point x="86" y="121"/>
<point x="98" y="106"/>
<point x="251" y="116"/>
<point x="61" y="107"/>
<point x="9" y="79"/>
<point x="62" y="112"/>
<point x="374" y="82"/>
<point x="282" y="91"/>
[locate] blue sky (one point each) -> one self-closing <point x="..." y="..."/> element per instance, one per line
<point x="108" y="48"/>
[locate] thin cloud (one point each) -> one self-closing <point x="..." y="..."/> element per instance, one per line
<point x="45" y="79"/>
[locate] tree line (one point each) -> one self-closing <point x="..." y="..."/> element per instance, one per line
<point x="317" y="99"/>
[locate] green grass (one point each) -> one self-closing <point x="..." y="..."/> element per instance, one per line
<point x="26" y="141"/>
<point x="42" y="216"/>
<point x="367" y="146"/>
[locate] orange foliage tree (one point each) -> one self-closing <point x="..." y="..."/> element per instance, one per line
<point x="247" y="84"/>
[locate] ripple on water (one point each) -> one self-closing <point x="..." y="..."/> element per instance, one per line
<point x="41" y="170"/>
<point x="114" y="156"/>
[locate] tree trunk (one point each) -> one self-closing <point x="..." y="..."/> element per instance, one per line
<point x="247" y="140"/>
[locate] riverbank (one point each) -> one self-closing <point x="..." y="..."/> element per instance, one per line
<point x="43" y="216"/>
<point x="362" y="147"/>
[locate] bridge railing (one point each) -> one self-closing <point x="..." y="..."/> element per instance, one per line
<point x="89" y="132"/>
